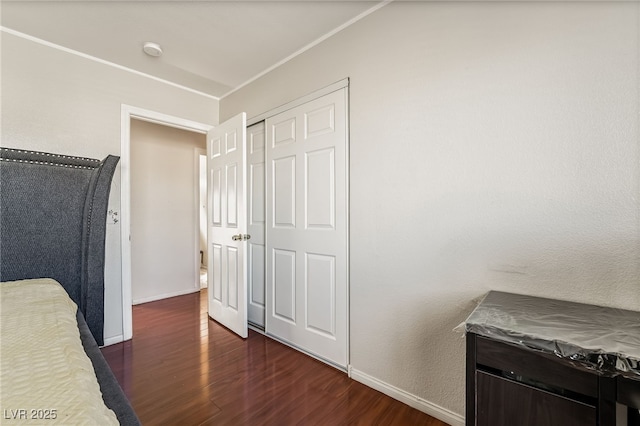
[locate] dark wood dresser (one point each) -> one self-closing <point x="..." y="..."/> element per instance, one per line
<point x="543" y="362"/>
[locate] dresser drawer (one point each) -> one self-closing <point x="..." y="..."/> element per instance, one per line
<point x="503" y="402"/>
<point x="535" y="366"/>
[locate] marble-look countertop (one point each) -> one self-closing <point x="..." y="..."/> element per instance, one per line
<point x="601" y="339"/>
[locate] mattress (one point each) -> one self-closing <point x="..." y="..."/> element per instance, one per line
<point x="46" y="377"/>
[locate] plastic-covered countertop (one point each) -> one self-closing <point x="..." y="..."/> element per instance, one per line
<point x="601" y="339"/>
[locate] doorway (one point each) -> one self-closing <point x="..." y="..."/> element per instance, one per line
<point x="164" y="211"/>
<point x="128" y="114"/>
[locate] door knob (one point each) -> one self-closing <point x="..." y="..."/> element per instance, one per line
<point x="241" y="237"/>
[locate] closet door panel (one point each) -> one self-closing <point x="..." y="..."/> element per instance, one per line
<point x="307" y="227"/>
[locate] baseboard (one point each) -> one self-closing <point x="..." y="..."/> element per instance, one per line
<point x="113" y="340"/>
<point x="164" y="296"/>
<point x="414" y="401"/>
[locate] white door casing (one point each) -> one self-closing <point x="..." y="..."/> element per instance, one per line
<point x="307" y="227"/>
<point x="256" y="220"/>
<point x="226" y="183"/>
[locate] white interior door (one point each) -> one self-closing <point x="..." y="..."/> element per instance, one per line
<point x="306" y="227"/>
<point x="227" y="224"/>
<point x="256" y="213"/>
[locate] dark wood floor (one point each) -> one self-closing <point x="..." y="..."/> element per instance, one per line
<point x="183" y="368"/>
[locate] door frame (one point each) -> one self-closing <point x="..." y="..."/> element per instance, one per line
<point x="127" y="113"/>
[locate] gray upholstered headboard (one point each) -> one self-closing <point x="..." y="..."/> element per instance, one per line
<point x="52" y="224"/>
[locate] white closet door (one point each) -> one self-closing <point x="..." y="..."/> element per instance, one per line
<point x="307" y="227"/>
<point x="256" y="218"/>
<point x="227" y="224"/>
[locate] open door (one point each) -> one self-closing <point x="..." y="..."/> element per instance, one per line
<point x="227" y="224"/>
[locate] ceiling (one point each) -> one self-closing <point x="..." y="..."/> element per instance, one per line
<point x="209" y="46"/>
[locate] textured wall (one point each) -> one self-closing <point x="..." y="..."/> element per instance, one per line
<point x="493" y="146"/>
<point x="58" y="102"/>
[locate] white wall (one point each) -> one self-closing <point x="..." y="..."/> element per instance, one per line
<point x="164" y="211"/>
<point x="493" y="146"/>
<point x="59" y="102"/>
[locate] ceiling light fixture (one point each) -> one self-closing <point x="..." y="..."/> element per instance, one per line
<point x="152" y="49"/>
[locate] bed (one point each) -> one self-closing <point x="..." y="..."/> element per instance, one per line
<point x="53" y="211"/>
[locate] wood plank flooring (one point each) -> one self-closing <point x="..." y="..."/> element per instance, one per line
<point x="183" y="368"/>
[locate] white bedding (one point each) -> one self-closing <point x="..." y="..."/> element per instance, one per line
<point x="46" y="377"/>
